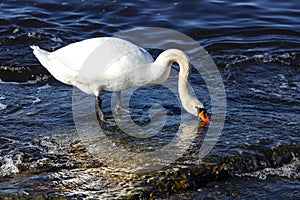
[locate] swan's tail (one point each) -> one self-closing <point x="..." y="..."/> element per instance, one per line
<point x="41" y="55"/>
<point x="56" y="68"/>
<point x="37" y="50"/>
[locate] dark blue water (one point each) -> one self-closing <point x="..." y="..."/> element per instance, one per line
<point x="256" y="47"/>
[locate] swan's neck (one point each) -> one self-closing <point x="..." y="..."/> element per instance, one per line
<point x="173" y="55"/>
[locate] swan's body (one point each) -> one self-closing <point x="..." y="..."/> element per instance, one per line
<point x="113" y="64"/>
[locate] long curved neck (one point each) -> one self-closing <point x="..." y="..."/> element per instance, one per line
<point x="170" y="56"/>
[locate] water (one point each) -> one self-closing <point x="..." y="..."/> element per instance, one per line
<point x="255" y="45"/>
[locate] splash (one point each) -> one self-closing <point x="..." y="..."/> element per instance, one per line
<point x="291" y="171"/>
<point x="10" y="164"/>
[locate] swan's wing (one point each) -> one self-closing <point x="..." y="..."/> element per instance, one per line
<point x="97" y="51"/>
<point x="98" y="63"/>
<point x="74" y="55"/>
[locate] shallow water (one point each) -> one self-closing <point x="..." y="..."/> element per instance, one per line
<point x="255" y="46"/>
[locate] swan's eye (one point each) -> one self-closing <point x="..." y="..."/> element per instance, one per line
<point x="199" y="110"/>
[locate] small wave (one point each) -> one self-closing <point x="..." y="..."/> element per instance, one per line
<point x="44" y="87"/>
<point x="37" y="100"/>
<point x="291" y="171"/>
<point x="288" y="59"/>
<point x="22" y="74"/>
<point x="28" y="82"/>
<point x="31" y="82"/>
<point x="2" y="106"/>
<point x="2" y="97"/>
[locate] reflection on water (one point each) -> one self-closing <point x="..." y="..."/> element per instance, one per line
<point x="119" y="146"/>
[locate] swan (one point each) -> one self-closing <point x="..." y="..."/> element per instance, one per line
<point x="113" y="64"/>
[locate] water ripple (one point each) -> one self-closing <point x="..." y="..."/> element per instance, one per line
<point x="255" y="45"/>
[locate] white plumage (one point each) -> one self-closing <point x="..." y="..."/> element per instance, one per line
<point x="113" y="64"/>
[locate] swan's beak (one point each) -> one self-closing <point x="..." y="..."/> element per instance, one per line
<point x="203" y="116"/>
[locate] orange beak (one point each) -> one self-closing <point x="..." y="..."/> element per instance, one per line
<point x="203" y="116"/>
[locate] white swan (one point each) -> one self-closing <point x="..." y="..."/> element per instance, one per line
<point x="113" y="64"/>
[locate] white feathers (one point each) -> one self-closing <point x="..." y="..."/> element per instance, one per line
<point x="113" y="64"/>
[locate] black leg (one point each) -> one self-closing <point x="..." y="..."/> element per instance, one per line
<point x="100" y="112"/>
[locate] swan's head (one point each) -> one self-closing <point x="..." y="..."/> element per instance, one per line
<point x="202" y="114"/>
<point x="195" y="107"/>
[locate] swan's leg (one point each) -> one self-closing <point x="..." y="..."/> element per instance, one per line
<point x="118" y="103"/>
<point x="100" y="112"/>
<point x="118" y="106"/>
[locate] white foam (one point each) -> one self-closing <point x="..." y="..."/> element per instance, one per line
<point x="37" y="100"/>
<point x="44" y="87"/>
<point x="18" y="83"/>
<point x="2" y="106"/>
<point x="29" y="82"/>
<point x="257" y="90"/>
<point x="290" y="171"/>
<point x="56" y="39"/>
<point x="9" y="165"/>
